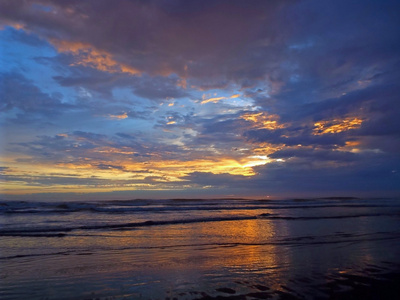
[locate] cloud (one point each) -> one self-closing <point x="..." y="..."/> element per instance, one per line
<point x="293" y="136"/>
<point x="156" y="88"/>
<point x="121" y="116"/>
<point x="216" y="99"/>
<point x="223" y="180"/>
<point x="306" y="177"/>
<point x="263" y="120"/>
<point x="212" y="34"/>
<point x="316" y="154"/>
<point x="86" y="55"/>
<point x="309" y="174"/>
<point x="19" y="93"/>
<point x="318" y="84"/>
<point x="183" y="120"/>
<point x="2" y="169"/>
<point x="152" y="88"/>
<point x="58" y="180"/>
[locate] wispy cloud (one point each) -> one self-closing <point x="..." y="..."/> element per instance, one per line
<point x="88" y="56"/>
<point x="217" y="99"/>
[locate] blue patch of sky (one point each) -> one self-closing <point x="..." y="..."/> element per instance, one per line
<point x="302" y="45"/>
<point x="240" y="101"/>
<point x="42" y="7"/>
<point x="126" y="96"/>
<point x="25" y="53"/>
<point x="225" y="105"/>
<point x="135" y="105"/>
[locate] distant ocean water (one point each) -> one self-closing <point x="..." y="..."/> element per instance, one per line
<point x="198" y="249"/>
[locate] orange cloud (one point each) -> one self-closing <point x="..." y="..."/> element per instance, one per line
<point x="118" y="117"/>
<point x="15" y="25"/>
<point x="263" y="120"/>
<point x="182" y="83"/>
<point x="88" y="56"/>
<point x="336" y="125"/>
<point x="89" y="172"/>
<point x="216" y="99"/>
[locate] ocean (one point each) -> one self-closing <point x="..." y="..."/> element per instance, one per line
<point x="327" y="248"/>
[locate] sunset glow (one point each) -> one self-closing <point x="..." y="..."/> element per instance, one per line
<point x="213" y="99"/>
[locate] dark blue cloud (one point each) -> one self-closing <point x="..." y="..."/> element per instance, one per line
<point x="17" y="92"/>
<point x="307" y="177"/>
<point x="315" y="154"/>
<point x="297" y="136"/>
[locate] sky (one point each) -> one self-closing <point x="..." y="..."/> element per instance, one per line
<point x="214" y="98"/>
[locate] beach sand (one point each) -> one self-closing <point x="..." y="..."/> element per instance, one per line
<point x="201" y="249"/>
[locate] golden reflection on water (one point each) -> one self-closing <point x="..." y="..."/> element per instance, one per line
<point x="190" y="257"/>
<point x="187" y="255"/>
<point x="229" y="249"/>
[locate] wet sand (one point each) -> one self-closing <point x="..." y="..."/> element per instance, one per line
<point x="385" y="286"/>
<point x="201" y="249"/>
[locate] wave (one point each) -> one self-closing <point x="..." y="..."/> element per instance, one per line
<point x="336" y="238"/>
<point x="180" y="205"/>
<point x="62" y="231"/>
<point x="53" y="231"/>
<point x="270" y="216"/>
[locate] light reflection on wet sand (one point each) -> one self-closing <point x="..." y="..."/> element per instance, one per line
<point x="190" y="261"/>
<point x="176" y="258"/>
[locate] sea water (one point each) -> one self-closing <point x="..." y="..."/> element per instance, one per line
<point x="195" y="249"/>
